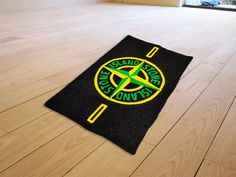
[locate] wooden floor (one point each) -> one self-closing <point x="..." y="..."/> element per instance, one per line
<point x="42" y="50"/>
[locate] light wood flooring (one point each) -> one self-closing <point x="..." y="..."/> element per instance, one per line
<point x="42" y="50"/>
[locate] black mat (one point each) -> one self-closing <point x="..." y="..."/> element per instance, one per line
<point x="120" y="96"/>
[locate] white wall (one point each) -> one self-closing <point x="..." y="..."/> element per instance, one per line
<point x="37" y="4"/>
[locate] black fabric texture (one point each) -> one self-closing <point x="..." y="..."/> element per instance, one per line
<point x="124" y="125"/>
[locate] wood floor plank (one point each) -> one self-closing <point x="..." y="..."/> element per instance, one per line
<point x="223" y="149"/>
<point x="16" y="145"/>
<point x="206" y="50"/>
<point x="181" y="152"/>
<point x="25" y="93"/>
<point x="58" y="156"/>
<point x="24" y="113"/>
<point x="220" y="160"/>
<point x="211" y="169"/>
<point x="44" y="54"/>
<point x="101" y="163"/>
<point x="25" y="79"/>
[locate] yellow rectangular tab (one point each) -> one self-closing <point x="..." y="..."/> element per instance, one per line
<point x="93" y="117"/>
<point x="152" y="52"/>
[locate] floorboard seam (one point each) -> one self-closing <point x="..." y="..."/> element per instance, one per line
<point x="204" y="157"/>
<point x="85" y="157"/>
<point x="36" y="149"/>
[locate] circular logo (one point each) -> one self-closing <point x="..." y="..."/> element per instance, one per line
<point x="129" y="80"/>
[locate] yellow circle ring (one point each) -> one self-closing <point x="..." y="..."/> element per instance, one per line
<point x="129" y="103"/>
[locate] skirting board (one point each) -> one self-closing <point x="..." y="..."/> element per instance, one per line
<point x="175" y="3"/>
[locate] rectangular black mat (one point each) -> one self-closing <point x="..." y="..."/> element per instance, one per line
<point x="121" y="94"/>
